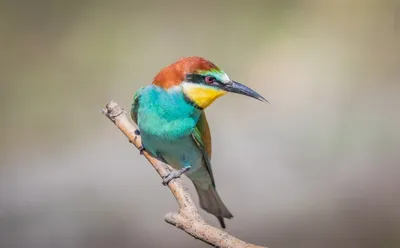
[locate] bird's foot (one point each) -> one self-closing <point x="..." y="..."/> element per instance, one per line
<point x="174" y="174"/>
<point x="137" y="133"/>
<point x="141" y="149"/>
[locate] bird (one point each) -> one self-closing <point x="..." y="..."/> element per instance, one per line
<point x="173" y="126"/>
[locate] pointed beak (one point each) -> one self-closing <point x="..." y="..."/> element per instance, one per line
<point x="239" y="88"/>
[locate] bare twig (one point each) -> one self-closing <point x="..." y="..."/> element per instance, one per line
<point x="188" y="217"/>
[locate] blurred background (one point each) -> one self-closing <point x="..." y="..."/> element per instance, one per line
<point x="318" y="167"/>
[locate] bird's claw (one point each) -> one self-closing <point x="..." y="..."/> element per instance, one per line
<point x="141" y="149"/>
<point x="174" y="174"/>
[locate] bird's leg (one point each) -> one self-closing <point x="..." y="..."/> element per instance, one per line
<point x="141" y="148"/>
<point x="174" y="174"/>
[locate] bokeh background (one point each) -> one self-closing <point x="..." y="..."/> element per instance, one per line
<point x="318" y="167"/>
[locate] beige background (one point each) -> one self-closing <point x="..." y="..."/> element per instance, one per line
<point x="318" y="167"/>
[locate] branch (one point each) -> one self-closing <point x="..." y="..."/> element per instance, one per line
<point x="188" y="218"/>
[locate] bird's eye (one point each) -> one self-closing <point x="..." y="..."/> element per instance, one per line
<point x="209" y="79"/>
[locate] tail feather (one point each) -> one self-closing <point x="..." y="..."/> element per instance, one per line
<point x="212" y="203"/>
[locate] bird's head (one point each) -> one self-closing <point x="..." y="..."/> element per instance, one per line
<point x="201" y="81"/>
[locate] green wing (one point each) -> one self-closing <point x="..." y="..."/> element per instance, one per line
<point x="135" y="104"/>
<point x="201" y="135"/>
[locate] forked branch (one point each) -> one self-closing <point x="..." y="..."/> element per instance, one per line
<point x="188" y="218"/>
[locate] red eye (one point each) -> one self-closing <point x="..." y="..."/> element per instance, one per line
<point x="209" y="79"/>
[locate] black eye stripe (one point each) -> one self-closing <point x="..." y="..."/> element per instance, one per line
<point x="194" y="78"/>
<point x="200" y="79"/>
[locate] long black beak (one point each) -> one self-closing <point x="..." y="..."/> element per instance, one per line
<point x="239" y="88"/>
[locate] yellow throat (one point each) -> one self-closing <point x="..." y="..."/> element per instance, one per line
<point x="202" y="95"/>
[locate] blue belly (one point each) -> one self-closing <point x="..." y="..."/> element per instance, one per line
<point x="178" y="153"/>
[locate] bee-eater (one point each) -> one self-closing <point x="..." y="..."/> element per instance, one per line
<point x="173" y="126"/>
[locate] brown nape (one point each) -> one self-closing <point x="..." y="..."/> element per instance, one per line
<point x="174" y="74"/>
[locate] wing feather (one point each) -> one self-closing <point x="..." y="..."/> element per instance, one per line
<point x="135" y="104"/>
<point x="202" y="136"/>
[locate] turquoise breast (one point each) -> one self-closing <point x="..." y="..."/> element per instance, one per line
<point x="166" y="114"/>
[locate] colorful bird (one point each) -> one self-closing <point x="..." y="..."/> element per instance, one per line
<point x="173" y="126"/>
